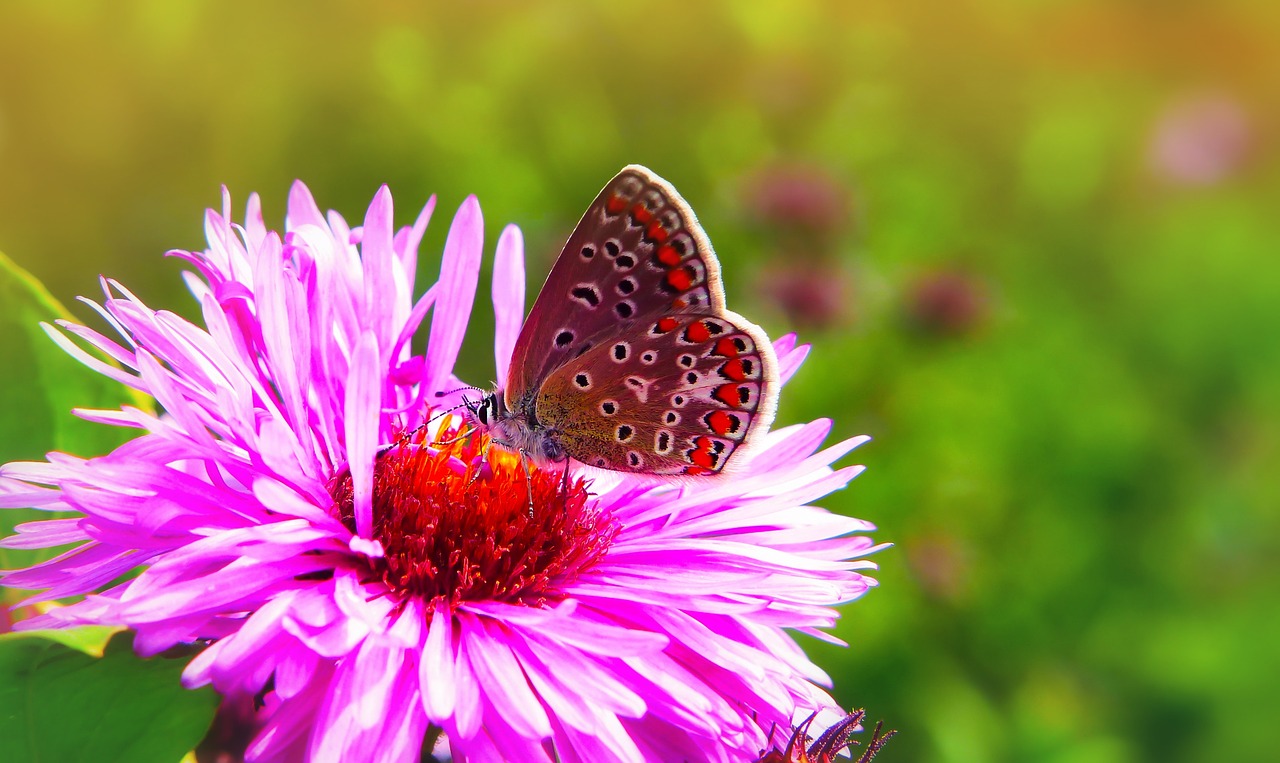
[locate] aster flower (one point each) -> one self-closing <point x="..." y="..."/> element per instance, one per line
<point x="371" y="578"/>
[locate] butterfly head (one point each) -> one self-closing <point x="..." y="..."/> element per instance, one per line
<point x="516" y="430"/>
<point x="486" y="410"/>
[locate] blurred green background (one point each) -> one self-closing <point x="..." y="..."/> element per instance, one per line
<point x="1034" y="246"/>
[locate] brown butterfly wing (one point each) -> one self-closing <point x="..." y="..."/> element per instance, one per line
<point x="636" y="253"/>
<point x="677" y="395"/>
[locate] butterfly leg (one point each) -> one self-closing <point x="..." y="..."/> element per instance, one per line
<point x="481" y="464"/>
<point x="564" y="479"/>
<point x="528" y="478"/>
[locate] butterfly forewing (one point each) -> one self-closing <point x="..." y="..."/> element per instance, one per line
<point x="638" y="252"/>
<point x="629" y="359"/>
<point x="677" y="395"/>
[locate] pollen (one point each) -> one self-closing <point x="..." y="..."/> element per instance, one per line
<point x="456" y="522"/>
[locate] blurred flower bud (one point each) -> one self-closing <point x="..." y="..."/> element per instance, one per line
<point x="941" y="566"/>
<point x="946" y="303"/>
<point x="812" y="295"/>
<point x="1200" y="140"/>
<point x="792" y="196"/>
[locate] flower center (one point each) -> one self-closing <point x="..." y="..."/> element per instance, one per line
<point x="463" y="521"/>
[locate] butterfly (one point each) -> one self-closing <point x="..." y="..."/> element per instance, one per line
<point x="629" y="359"/>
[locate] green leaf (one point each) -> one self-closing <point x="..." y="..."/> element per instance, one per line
<point x="60" y="705"/>
<point x="90" y="639"/>
<point x="39" y="385"/>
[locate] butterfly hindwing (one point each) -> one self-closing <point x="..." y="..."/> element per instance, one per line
<point x="676" y="395"/>
<point x="637" y="252"/>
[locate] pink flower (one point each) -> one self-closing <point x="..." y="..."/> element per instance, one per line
<point x="369" y="579"/>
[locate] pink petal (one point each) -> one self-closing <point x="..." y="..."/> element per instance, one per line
<point x="790" y="357"/>
<point x="377" y="254"/>
<point x="459" y="273"/>
<point x="302" y="209"/>
<point x="46" y="533"/>
<point x="285" y="330"/>
<point x="437" y="668"/>
<point x="363" y="403"/>
<point x="505" y="684"/>
<point x="376" y="667"/>
<point x="416" y="315"/>
<point x="580" y="632"/>
<point x="468" y="711"/>
<point x="508" y="297"/>
<point x="407" y="241"/>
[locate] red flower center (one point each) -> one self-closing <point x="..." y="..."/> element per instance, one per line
<point x="460" y="520"/>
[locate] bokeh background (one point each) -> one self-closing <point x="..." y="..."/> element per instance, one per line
<point x="1034" y="245"/>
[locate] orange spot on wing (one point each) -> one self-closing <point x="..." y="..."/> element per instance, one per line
<point x="697" y="332"/>
<point x="726" y="348"/>
<point x="641" y="215"/>
<point x="727" y="394"/>
<point x="668" y="255"/>
<point x="616" y="205"/>
<point x="666" y="324"/>
<point x="681" y="279"/>
<point x="705" y="452"/>
<point x="656" y="232"/>
<point x="721" y="423"/>
<point x="734" y="370"/>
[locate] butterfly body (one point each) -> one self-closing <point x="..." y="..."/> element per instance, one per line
<point x="519" y="429"/>
<point x="629" y="359"/>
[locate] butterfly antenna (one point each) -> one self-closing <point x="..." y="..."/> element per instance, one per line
<point x="447" y="411"/>
<point x="452" y="440"/>
<point x="467" y="403"/>
<point x="465" y="388"/>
